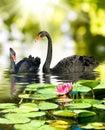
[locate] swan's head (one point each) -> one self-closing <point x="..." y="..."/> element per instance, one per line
<point x="12" y="54"/>
<point x="41" y="34"/>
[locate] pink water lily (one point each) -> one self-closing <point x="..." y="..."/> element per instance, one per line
<point x="64" y="89"/>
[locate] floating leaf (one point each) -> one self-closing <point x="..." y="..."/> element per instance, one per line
<point x="100" y="86"/>
<point x="88" y="83"/>
<point x="81" y="88"/>
<point x="47" y="91"/>
<point x="42" y="96"/>
<point x="4" y="121"/>
<point x="31" y="106"/>
<point x="79" y="105"/>
<point x="35" y="86"/>
<point x="33" y="125"/>
<point x="35" y="114"/>
<point x="99" y="106"/>
<point x="24" y="115"/>
<point x="103" y="101"/>
<point x="38" y="96"/>
<point x="59" y="124"/>
<point x="7" y="105"/>
<point x="47" y="105"/>
<point x="65" y="113"/>
<point x="14" y="120"/>
<point x="64" y="100"/>
<point x="95" y="126"/>
<point x="92" y="101"/>
<point x="84" y="113"/>
<point x="30" y="89"/>
<point x="46" y="127"/>
<point x="19" y="110"/>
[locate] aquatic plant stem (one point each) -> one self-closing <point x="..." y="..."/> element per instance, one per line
<point x="93" y="94"/>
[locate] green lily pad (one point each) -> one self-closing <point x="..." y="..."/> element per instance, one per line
<point x="84" y="113"/>
<point x="59" y="124"/>
<point x="99" y="106"/>
<point x="100" y="86"/>
<point x="24" y="115"/>
<point x="14" y="120"/>
<point x="79" y="105"/>
<point x="81" y="88"/>
<point x="92" y="101"/>
<point x="47" y="91"/>
<point x="33" y="125"/>
<point x="103" y="101"/>
<point x="35" y="86"/>
<point x="61" y="100"/>
<point x="19" y="110"/>
<point x="7" y="105"/>
<point x="42" y="96"/>
<point x="37" y="96"/>
<point x="47" y="106"/>
<point x="65" y="113"/>
<point x="46" y="127"/>
<point x="88" y="83"/>
<point x="30" y="89"/>
<point x="95" y="126"/>
<point x="31" y="106"/>
<point x="35" y="114"/>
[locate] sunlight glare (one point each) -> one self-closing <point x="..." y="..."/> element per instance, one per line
<point x="37" y="6"/>
<point x="40" y="9"/>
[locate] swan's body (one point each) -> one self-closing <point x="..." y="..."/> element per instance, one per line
<point x="74" y="63"/>
<point x="26" y="65"/>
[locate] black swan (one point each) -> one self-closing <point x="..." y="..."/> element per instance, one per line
<point x="67" y="65"/>
<point x="26" y="65"/>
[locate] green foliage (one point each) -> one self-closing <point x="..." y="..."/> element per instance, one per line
<point x="30" y="106"/>
<point x="84" y="113"/>
<point x="35" y="124"/>
<point x="47" y="106"/>
<point x="7" y="105"/>
<point x="13" y="120"/>
<point x="65" y="113"/>
<point x="79" y="106"/>
<point x="94" y="125"/>
<point x="99" y="106"/>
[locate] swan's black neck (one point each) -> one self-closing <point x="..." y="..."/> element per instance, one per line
<point x="46" y="66"/>
<point x="12" y="65"/>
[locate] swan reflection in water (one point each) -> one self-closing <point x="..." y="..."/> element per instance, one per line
<point x="19" y="81"/>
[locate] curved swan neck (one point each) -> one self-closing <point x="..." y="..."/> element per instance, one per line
<point x="46" y="66"/>
<point x="12" y="65"/>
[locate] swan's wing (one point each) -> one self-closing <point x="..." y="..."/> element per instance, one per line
<point x="22" y="66"/>
<point x="75" y="63"/>
<point x="28" y="65"/>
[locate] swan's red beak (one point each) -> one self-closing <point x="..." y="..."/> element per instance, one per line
<point x="14" y="58"/>
<point x="37" y="38"/>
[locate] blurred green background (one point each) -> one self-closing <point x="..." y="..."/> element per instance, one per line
<point x="81" y="21"/>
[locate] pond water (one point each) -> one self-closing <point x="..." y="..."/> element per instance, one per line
<point x="11" y="85"/>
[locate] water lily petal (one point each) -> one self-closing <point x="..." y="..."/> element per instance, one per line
<point x="64" y="89"/>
